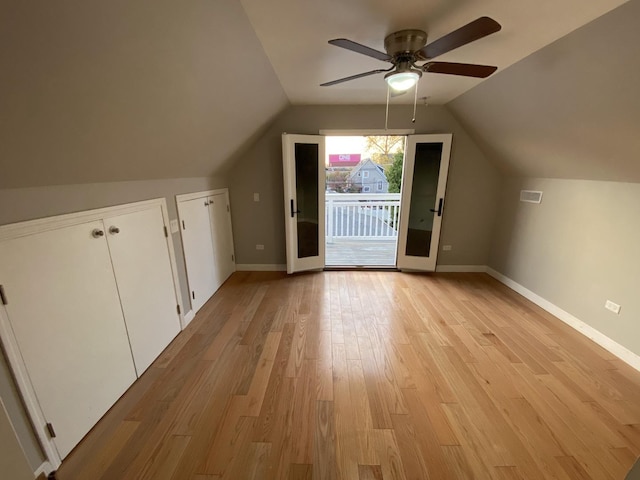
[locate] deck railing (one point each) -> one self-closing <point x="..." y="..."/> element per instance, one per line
<point x="365" y="216"/>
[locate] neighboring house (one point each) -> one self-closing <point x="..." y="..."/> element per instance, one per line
<point x="369" y="177"/>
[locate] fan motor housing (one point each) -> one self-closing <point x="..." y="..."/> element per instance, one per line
<point x="405" y="42"/>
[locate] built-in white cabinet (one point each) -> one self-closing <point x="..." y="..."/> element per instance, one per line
<point x="89" y="301"/>
<point x="207" y="241"/>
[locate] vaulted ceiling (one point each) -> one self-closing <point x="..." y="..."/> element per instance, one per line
<point x="294" y="34"/>
<point x="103" y="91"/>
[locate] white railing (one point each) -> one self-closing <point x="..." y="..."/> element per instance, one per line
<point x="365" y="216"/>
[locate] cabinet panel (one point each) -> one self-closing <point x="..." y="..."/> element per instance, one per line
<point x="222" y="237"/>
<point x="65" y="313"/>
<point x="142" y="268"/>
<point x="198" y="251"/>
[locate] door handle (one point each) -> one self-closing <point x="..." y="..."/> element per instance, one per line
<point x="439" y="210"/>
<point x="97" y="233"/>
<point x="113" y="230"/>
<point x="293" y="211"/>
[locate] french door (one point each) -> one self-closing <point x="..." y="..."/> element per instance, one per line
<point x="304" y="208"/>
<point x="424" y="182"/>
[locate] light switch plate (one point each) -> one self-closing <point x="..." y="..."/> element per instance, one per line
<point x="256" y="197"/>
<point x="174" y="226"/>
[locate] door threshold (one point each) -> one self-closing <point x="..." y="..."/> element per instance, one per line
<point x="376" y="268"/>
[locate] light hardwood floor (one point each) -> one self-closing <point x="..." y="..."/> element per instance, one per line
<point x="371" y="375"/>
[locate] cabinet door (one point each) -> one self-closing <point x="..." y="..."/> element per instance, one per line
<point x="142" y="267"/>
<point x="222" y="237"/>
<point x="198" y="250"/>
<point x="65" y="314"/>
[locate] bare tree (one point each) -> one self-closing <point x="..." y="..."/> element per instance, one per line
<point x="382" y="147"/>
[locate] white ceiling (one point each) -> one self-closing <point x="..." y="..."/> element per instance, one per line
<point x="294" y="34"/>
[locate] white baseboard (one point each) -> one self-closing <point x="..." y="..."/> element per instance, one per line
<point x="620" y="351"/>
<point x="260" y="267"/>
<point x="461" y="268"/>
<point x="45" y="468"/>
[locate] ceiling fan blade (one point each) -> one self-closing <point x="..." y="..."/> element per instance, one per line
<point x="462" y="69"/>
<point x="471" y="32"/>
<point x="353" y="77"/>
<point x="362" y="49"/>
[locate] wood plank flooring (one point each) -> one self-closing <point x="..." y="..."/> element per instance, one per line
<point x="368" y="376"/>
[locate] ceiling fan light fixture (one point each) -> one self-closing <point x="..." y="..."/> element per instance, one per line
<point x="402" y="81"/>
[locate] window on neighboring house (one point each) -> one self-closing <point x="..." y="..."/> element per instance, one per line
<point x="379" y="185"/>
<point x="365" y="174"/>
<point x="366" y="188"/>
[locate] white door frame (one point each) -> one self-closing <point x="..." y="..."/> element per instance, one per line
<point x="295" y="264"/>
<point x="404" y="261"/>
<point x="9" y="341"/>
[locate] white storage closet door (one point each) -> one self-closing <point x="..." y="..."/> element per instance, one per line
<point x="64" y="310"/>
<point x="142" y="266"/>
<point x="198" y="251"/>
<point x="220" y="218"/>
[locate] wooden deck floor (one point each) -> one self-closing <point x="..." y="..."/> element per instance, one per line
<point x="360" y="253"/>
<point x="370" y="375"/>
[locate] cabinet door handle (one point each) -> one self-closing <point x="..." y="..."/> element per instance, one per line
<point x="97" y="233"/>
<point x="113" y="230"/>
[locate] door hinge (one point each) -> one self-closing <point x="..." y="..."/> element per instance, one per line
<point x="166" y="231"/>
<point x="178" y="308"/>
<point x="184" y="227"/>
<point x="233" y="258"/>
<point x="52" y="432"/>
<point x="228" y="208"/>
<point x="3" y="296"/>
<point x="193" y="294"/>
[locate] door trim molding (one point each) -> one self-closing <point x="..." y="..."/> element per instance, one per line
<point x="367" y="132"/>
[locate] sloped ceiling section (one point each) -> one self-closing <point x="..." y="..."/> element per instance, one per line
<point x="570" y="110"/>
<point x="99" y="91"/>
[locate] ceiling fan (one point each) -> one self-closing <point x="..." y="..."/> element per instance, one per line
<point x="404" y="49"/>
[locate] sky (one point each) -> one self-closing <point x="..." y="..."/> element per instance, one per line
<point x="345" y="145"/>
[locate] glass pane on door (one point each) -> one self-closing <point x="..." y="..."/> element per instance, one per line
<point x="423" y="198"/>
<point x="307" y="218"/>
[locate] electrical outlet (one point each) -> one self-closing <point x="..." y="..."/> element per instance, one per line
<point x="259" y="247"/>
<point x="447" y="248"/>
<point x="256" y="197"/>
<point x="614" y="307"/>
<point x="174" y="225"/>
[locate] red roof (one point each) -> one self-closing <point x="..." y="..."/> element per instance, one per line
<point x="344" y="159"/>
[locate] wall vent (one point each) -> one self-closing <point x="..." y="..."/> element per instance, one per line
<point x="530" y="196"/>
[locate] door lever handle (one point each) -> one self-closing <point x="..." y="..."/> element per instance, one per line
<point x="293" y="211"/>
<point x="439" y="210"/>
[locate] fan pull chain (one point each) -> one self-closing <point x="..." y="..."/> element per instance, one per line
<point x="415" y="102"/>
<point x="386" y="118"/>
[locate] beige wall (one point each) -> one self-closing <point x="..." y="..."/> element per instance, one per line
<point x="471" y="192"/>
<point x="29" y="203"/>
<point x="107" y="91"/>
<point x="577" y="249"/>
<point x="570" y="110"/>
